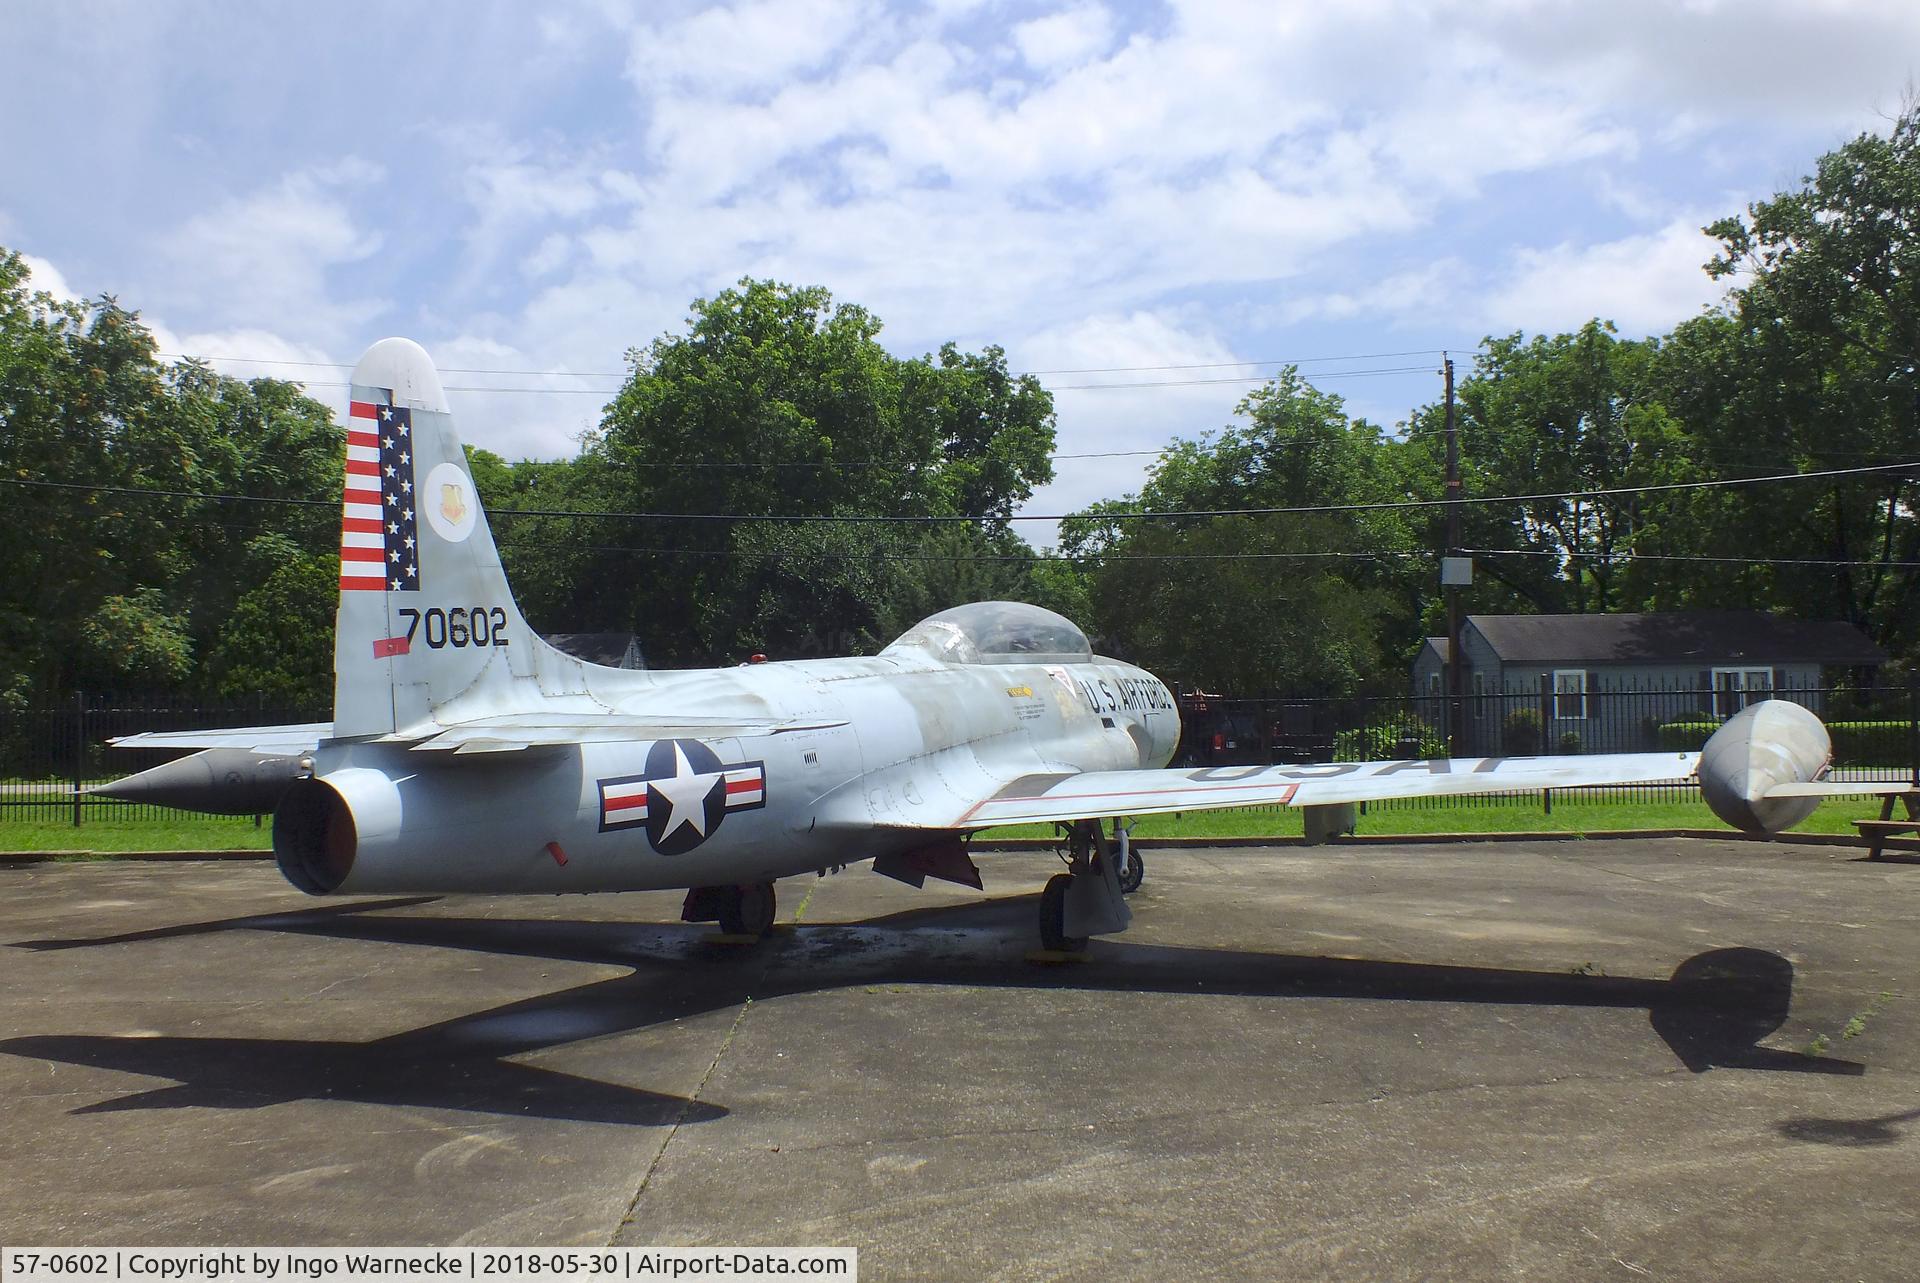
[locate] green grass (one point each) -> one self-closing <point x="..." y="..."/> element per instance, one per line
<point x="1570" y="815"/>
<point x="178" y="833"/>
<point x="1584" y="815"/>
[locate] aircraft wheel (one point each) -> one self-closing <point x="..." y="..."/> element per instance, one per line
<point x="1133" y="872"/>
<point x="1053" y="914"/>
<point x="749" y="911"/>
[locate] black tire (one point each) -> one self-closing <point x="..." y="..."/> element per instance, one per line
<point x="1133" y="872"/>
<point x="1053" y="915"/>
<point x="749" y="910"/>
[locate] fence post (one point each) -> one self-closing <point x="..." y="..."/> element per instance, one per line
<point x="1913" y="727"/>
<point x="79" y="749"/>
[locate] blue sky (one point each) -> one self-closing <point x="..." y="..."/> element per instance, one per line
<point x="541" y="187"/>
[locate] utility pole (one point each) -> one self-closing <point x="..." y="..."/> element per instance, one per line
<point x="1455" y="573"/>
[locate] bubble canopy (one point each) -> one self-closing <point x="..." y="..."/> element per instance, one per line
<point x="996" y="632"/>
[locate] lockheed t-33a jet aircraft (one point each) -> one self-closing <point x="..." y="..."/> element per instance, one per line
<point x="467" y="755"/>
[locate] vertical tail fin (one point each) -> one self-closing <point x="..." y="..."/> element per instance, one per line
<point x="425" y="612"/>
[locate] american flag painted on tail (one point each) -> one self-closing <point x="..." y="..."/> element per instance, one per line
<point x="379" y="533"/>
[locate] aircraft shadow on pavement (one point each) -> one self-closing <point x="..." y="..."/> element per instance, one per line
<point x="1712" y="1012"/>
<point x="1883" y="1130"/>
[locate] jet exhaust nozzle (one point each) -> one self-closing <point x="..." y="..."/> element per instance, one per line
<point x="1770" y="743"/>
<point x="322" y="824"/>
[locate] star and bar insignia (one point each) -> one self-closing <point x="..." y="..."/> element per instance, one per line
<point x="682" y="795"/>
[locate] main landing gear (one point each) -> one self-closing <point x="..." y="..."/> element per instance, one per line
<point x="740" y="910"/>
<point x="1088" y="899"/>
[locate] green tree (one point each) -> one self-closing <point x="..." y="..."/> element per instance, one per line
<point x="107" y="447"/>
<point x="1826" y="355"/>
<point x="1278" y="601"/>
<point x="277" y="643"/>
<point x="778" y="402"/>
<point x="133" y="643"/>
<point x="1549" y="416"/>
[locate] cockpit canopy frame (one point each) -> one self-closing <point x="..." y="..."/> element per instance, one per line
<point x="996" y="632"/>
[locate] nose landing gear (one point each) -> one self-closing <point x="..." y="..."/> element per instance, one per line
<point x="1133" y="869"/>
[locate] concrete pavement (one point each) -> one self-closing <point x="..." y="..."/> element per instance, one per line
<point x="1604" y="1060"/>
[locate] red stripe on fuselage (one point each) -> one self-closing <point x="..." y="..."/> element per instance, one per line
<point x="363" y="410"/>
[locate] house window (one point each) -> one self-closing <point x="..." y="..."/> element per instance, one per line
<point x="1735" y="688"/>
<point x="1570" y="693"/>
<point x="1479" y="696"/>
<point x="1433" y="683"/>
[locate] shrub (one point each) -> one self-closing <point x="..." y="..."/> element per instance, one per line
<point x="1385" y="741"/>
<point x="1570" y="742"/>
<point x="1883" y="743"/>
<point x="1686" y="737"/>
<point x="1520" y="732"/>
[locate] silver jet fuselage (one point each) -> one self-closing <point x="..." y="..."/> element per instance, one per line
<point x="872" y="754"/>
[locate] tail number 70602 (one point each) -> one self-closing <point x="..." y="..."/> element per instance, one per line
<point x="460" y="626"/>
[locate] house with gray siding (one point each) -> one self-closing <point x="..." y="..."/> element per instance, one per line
<point x="1605" y="683"/>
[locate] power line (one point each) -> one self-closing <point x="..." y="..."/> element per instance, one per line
<point x="1262" y="378"/>
<point x="779" y="554"/>
<point x="1065" y="387"/>
<point x="621" y="374"/>
<point x="1687" y="557"/>
<point x="1226" y="365"/>
<point x="1130" y="515"/>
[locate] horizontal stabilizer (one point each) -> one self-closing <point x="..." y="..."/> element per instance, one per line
<point x="297" y="738"/>
<point x="516" y="732"/>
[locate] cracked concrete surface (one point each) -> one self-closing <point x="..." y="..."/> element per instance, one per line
<point x="1566" y="1060"/>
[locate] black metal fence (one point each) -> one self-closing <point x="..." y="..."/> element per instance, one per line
<point x="50" y="754"/>
<point x="1875" y="730"/>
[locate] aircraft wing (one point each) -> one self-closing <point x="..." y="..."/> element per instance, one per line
<point x="296" y="738"/>
<point x="1096" y="794"/>
<point x="1840" y="788"/>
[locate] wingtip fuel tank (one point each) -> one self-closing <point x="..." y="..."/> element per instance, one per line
<point x="1766" y="745"/>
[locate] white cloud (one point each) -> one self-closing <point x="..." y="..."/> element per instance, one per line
<point x="1393" y="299"/>
<point x="1112" y="423"/>
<point x="263" y="259"/>
<point x="548" y="257"/>
<point x="745" y="46"/>
<point x="1089" y="185"/>
<point x="1065" y="38"/>
<point x="1645" y="283"/>
<point x="1836" y="61"/>
<point x="44" y="277"/>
